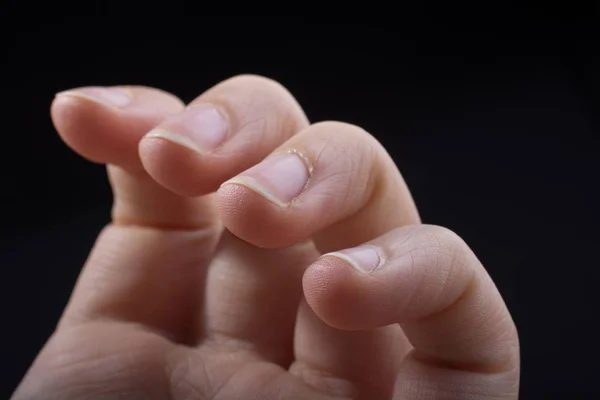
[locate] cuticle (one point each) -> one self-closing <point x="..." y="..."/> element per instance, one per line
<point x="380" y="255"/>
<point x="309" y="169"/>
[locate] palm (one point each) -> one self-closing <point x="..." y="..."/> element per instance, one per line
<point x="200" y="292"/>
<point x="232" y="336"/>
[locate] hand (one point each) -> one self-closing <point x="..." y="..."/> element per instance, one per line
<point x="306" y="275"/>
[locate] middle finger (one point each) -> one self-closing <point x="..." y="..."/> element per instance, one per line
<point x="251" y="298"/>
<point x="334" y="183"/>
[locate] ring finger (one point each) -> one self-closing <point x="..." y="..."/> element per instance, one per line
<point x="334" y="183"/>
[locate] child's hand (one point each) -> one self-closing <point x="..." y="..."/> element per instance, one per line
<point x="306" y="275"/>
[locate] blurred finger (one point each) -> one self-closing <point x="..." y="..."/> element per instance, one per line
<point x="105" y="125"/>
<point x="121" y="116"/>
<point x="147" y="265"/>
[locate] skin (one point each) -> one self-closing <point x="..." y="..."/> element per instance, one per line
<point x="212" y="282"/>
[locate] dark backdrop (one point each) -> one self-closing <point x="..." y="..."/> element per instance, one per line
<point x="493" y="130"/>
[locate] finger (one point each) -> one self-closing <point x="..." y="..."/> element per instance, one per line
<point x="227" y="129"/>
<point x="335" y="183"/>
<point x="332" y="182"/>
<point x="105" y="125"/>
<point x="426" y="279"/>
<point x="121" y="116"/>
<point x="347" y="364"/>
<point x="251" y="298"/>
<point x="146" y="265"/>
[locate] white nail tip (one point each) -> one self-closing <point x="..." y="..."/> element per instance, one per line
<point x="116" y="97"/>
<point x="344" y="257"/>
<point x="365" y="258"/>
<point x="72" y="93"/>
<point x="251" y="184"/>
<point x="172" y="137"/>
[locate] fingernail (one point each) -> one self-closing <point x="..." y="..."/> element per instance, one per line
<point x="279" y="178"/>
<point x="201" y="128"/>
<point x="364" y="259"/>
<point x="115" y="97"/>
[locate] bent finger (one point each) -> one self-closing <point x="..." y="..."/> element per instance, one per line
<point x="332" y="182"/>
<point x="227" y="129"/>
<point x="105" y="125"/>
<point x="147" y="266"/>
<point x="335" y="184"/>
<point x="250" y="300"/>
<point x="426" y="279"/>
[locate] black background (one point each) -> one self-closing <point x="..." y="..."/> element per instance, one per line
<point x="494" y="130"/>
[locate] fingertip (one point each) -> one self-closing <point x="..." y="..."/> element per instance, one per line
<point x="331" y="288"/>
<point x="322" y="290"/>
<point x="176" y="167"/>
<point x="252" y="218"/>
<point x="105" y="124"/>
<point x="80" y="121"/>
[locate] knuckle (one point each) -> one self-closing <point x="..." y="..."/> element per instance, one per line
<point x="452" y="262"/>
<point x="268" y="88"/>
<point x="253" y="80"/>
<point x="346" y="151"/>
<point x="257" y="125"/>
<point x="446" y="239"/>
<point x="336" y="128"/>
<point x="261" y="103"/>
<point x="435" y="255"/>
<point x="450" y="254"/>
<point x="416" y="238"/>
<point x="343" y="140"/>
<point x="351" y="159"/>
